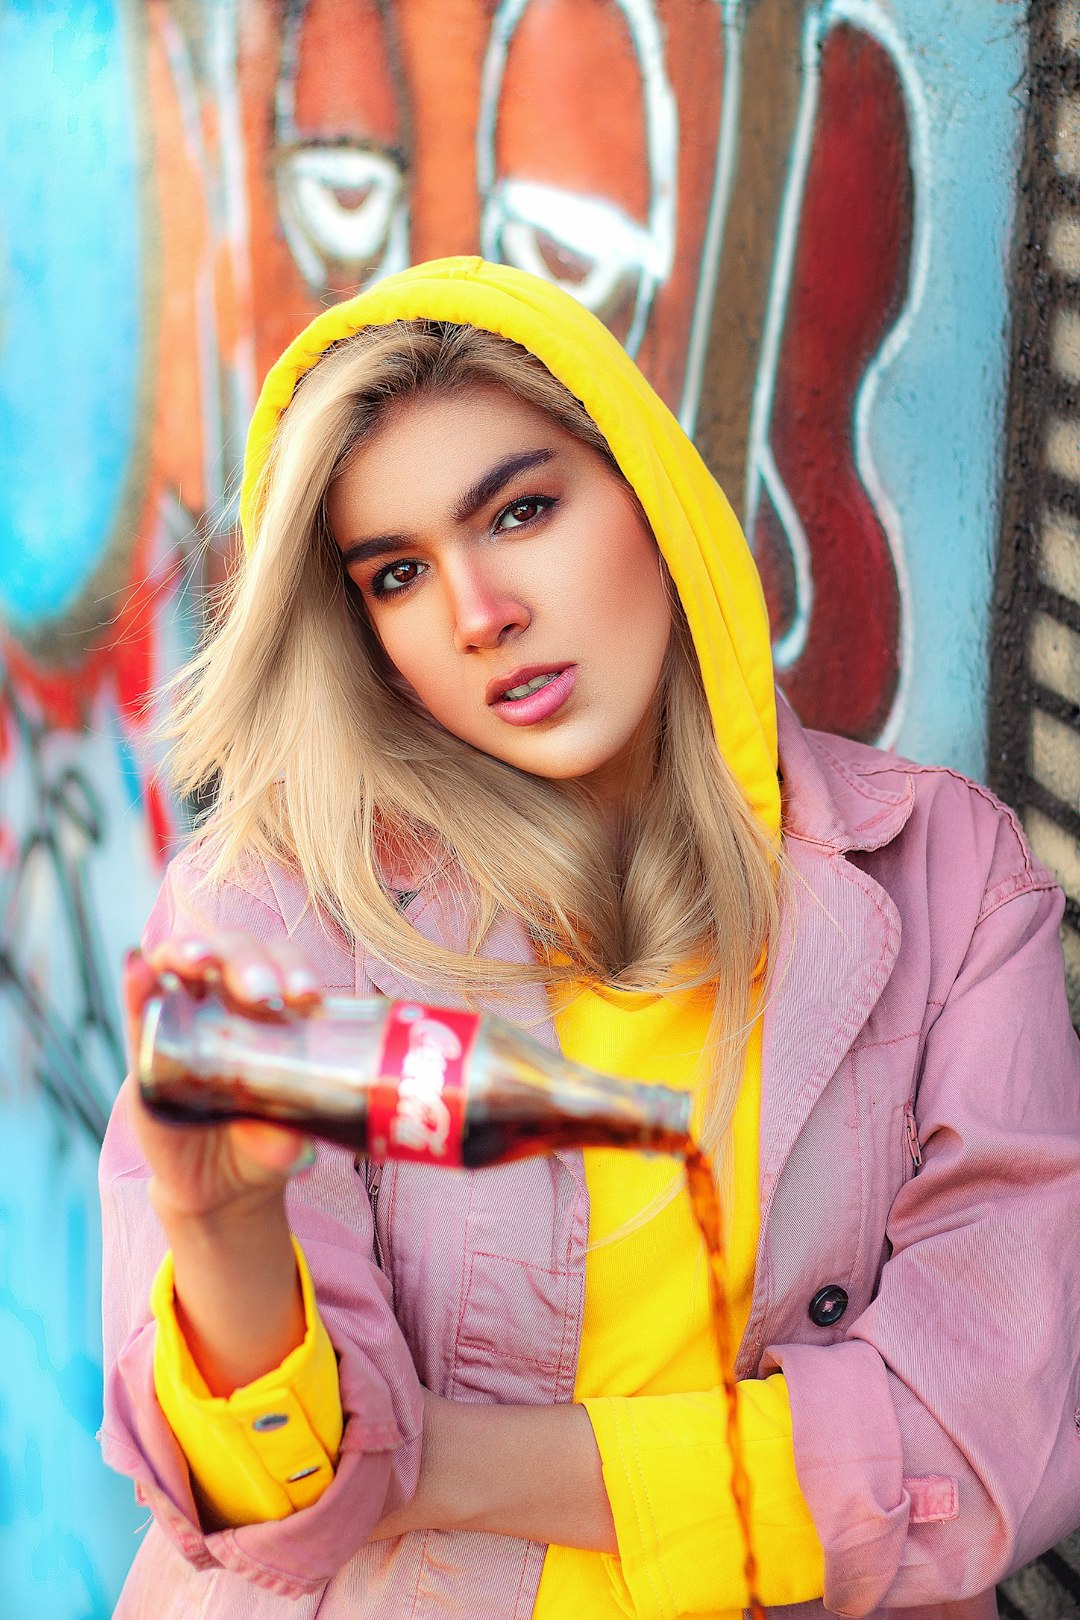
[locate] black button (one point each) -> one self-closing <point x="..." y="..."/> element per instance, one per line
<point x="828" y="1306"/>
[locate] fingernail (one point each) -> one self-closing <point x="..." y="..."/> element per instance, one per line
<point x="304" y="1159"/>
<point x="260" y="983"/>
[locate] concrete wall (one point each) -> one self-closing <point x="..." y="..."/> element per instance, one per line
<point x="799" y="216"/>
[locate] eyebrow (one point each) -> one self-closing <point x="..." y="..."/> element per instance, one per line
<point x="465" y="507"/>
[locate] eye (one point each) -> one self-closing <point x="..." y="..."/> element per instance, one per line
<point x="523" y="511"/>
<point x="343" y="209"/>
<point x="387" y="582"/>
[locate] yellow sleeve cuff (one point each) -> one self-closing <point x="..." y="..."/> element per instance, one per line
<point x="667" y="1469"/>
<point x="269" y="1448"/>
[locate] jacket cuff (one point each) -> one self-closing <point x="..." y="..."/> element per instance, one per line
<point x="849" y="1461"/>
<point x="377" y="1471"/>
<point x="667" y="1468"/>
<point x="267" y="1449"/>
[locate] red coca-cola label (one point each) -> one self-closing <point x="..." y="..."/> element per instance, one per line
<point x="416" y="1108"/>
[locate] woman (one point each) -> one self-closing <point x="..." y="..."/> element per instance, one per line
<point x="490" y="718"/>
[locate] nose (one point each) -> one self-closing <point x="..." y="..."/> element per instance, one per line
<point x="484" y="609"/>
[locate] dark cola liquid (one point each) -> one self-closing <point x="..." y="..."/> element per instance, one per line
<point x="705" y="1203"/>
<point x="393" y="1080"/>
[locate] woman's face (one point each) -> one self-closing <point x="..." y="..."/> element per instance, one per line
<point x="490" y="546"/>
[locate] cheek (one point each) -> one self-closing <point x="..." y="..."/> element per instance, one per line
<point x="405" y="655"/>
<point x="646" y="609"/>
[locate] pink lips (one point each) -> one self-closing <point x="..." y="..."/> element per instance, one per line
<point x="526" y="711"/>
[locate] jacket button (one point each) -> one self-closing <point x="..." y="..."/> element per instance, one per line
<point x="828" y="1306"/>
<point x="277" y="1420"/>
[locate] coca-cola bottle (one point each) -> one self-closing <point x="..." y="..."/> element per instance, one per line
<point x="393" y="1079"/>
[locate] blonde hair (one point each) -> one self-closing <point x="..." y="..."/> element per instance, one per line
<point x="290" y="717"/>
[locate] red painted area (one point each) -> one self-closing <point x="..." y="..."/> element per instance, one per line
<point x="850" y="279"/>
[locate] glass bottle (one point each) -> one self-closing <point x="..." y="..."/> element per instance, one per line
<point x="393" y="1079"/>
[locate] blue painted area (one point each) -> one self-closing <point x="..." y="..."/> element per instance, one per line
<point x="67" y="1523"/>
<point x="127" y="763"/>
<point x="937" y="427"/>
<point x="70" y="297"/>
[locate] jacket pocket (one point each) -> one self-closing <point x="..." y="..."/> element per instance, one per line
<point x="513" y="1342"/>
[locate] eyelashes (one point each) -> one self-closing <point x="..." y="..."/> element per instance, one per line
<point x="543" y="503"/>
<point x="380" y="589"/>
<point x="536" y="507"/>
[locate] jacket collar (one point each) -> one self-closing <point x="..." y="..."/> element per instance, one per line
<point x="829" y="799"/>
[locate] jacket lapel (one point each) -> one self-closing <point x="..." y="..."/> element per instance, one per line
<point x="839" y="941"/>
<point x="839" y="936"/>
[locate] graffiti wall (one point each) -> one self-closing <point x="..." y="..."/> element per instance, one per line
<point x="797" y="214"/>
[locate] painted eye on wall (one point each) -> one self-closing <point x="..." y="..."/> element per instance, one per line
<point x="586" y="245"/>
<point x="344" y="212"/>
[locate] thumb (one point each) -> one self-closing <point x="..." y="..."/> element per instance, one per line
<point x="271" y="1147"/>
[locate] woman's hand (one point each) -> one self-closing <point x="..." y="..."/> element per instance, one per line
<point x="219" y="1190"/>
<point x="201" y="1170"/>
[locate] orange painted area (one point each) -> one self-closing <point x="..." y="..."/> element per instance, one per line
<point x="281" y="302"/>
<point x="694" y="57"/>
<point x="345" y="81"/>
<point x="183" y="239"/>
<point x="443" y="44"/>
<point x="572" y="112"/>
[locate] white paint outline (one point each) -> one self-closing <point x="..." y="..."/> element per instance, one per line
<point x="727" y="156"/>
<point x="221" y="27"/>
<point x="302" y="239"/>
<point x="791" y="644"/>
<point x="212" y="436"/>
<point x="661" y="138"/>
<point x="866" y="15"/>
<point x="227" y="384"/>
<point x="787" y="233"/>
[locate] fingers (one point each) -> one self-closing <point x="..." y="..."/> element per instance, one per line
<point x="250" y="973"/>
<point x="139" y="984"/>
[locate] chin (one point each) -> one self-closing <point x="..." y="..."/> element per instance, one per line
<point x="575" y="769"/>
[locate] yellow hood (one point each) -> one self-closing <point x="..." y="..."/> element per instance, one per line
<point x="695" y="528"/>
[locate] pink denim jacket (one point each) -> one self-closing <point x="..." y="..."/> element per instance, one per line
<point x="920" y="1149"/>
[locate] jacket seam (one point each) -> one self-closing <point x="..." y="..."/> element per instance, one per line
<point x="529" y="1265"/>
<point x="259" y="1566"/>
<point x="649" y="1561"/>
<point x="561" y="1365"/>
<point x="894" y="1040"/>
<point x="421" y="1562"/>
<point x="521" y="1577"/>
<point x="854" y="875"/>
<point x="1013" y="888"/>
<point x="860" y="1241"/>
<point x="853" y="776"/>
<point x="518" y="1361"/>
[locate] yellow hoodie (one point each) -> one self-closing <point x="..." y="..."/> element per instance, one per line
<point x="647" y="1369"/>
